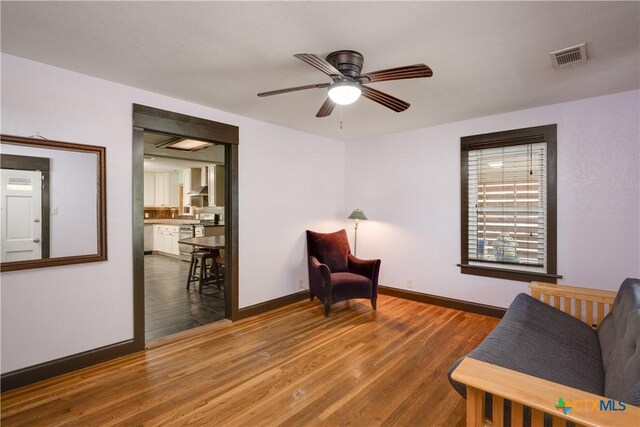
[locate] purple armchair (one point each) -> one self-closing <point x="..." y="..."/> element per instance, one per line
<point x="335" y="275"/>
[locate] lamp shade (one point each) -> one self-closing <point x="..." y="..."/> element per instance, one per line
<point x="357" y="214"/>
<point x="344" y="92"/>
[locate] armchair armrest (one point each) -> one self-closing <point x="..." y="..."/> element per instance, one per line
<point x="319" y="274"/>
<point x="597" y="303"/>
<point x="540" y="395"/>
<point x="368" y="268"/>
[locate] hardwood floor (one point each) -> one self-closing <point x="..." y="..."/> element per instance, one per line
<point x="169" y="307"/>
<point x="290" y="366"/>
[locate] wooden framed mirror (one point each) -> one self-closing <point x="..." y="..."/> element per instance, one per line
<point x="52" y="203"/>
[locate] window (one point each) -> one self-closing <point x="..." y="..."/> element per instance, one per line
<point x="509" y="204"/>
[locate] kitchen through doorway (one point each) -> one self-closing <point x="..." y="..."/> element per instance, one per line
<point x="184" y="230"/>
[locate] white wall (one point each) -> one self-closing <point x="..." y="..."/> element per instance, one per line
<point x="289" y="181"/>
<point x="73" y="185"/>
<point x="408" y="184"/>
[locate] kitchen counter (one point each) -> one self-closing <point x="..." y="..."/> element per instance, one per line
<point x="179" y="222"/>
<point x="171" y="221"/>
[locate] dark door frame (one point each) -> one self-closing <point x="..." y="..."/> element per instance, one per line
<point x="155" y="120"/>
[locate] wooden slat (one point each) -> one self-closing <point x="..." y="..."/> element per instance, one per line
<point x="589" y="305"/>
<point x="289" y="366"/>
<point x="517" y="414"/>
<point x="475" y="407"/>
<point x="556" y="301"/>
<point x="578" y="309"/>
<point x="574" y="292"/>
<point x="497" y="413"/>
<point x="535" y="293"/>
<point x="600" y="309"/>
<point x="566" y="307"/>
<point x="539" y="394"/>
<point x="537" y="418"/>
<point x="558" y="422"/>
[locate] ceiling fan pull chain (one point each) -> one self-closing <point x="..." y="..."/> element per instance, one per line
<point x="341" y="117"/>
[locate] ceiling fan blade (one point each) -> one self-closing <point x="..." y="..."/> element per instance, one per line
<point x="321" y="64"/>
<point x="407" y="72"/>
<point x="293" y="89"/>
<point x="326" y="108"/>
<point x="384" y="99"/>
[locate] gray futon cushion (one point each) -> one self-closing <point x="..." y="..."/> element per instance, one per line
<point x="619" y="336"/>
<point x="537" y="339"/>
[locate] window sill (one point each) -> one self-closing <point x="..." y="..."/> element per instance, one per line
<point x="509" y="274"/>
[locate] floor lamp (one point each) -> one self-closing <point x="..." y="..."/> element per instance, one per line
<point x="356" y="215"/>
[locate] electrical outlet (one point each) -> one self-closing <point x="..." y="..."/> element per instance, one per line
<point x="300" y="284"/>
<point x="54" y="211"/>
<point x="409" y="284"/>
<point x="146" y="214"/>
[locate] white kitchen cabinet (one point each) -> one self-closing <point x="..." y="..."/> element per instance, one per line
<point x="174" y="187"/>
<point x="216" y="184"/>
<point x="159" y="188"/>
<point x="166" y="189"/>
<point x="186" y="187"/>
<point x="175" y="248"/>
<point x="148" y="237"/>
<point x="158" y="238"/>
<point x="165" y="239"/>
<point x="149" y="189"/>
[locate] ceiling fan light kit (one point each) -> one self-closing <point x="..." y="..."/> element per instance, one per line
<point x="344" y="68"/>
<point x="344" y="92"/>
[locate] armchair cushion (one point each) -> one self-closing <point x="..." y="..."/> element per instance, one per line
<point x="330" y="249"/>
<point x="349" y="285"/>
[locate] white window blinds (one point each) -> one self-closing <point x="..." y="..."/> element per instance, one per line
<point x="507" y="205"/>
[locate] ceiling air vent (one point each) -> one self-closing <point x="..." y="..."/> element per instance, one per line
<point x="569" y="56"/>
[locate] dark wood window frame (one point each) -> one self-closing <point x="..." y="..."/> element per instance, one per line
<point x="155" y="120"/>
<point x="513" y="137"/>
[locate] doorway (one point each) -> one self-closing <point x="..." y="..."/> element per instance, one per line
<point x="184" y="192"/>
<point x="185" y="159"/>
<point x="24" y="201"/>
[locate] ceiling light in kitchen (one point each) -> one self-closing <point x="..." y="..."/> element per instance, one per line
<point x="188" y="145"/>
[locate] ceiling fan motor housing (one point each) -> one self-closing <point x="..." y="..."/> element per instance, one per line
<point x="348" y="62"/>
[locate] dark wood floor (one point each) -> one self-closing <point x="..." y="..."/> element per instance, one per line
<point x="290" y="366"/>
<point x="169" y="307"/>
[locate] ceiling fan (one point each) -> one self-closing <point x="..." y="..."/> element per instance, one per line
<point x="344" y="66"/>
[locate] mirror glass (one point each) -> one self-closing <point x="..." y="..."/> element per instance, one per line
<point x="52" y="203"/>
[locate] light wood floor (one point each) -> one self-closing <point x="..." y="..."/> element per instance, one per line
<point x="291" y="366"/>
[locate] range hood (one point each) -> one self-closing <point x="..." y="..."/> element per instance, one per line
<point x="199" y="191"/>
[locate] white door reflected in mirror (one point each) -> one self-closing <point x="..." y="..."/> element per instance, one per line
<point x="21" y="200"/>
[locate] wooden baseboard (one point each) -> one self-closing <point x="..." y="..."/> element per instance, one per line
<point x="471" y="307"/>
<point x="263" y="307"/>
<point x="52" y="368"/>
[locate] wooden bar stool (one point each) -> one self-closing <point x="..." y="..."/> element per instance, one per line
<point x="219" y="262"/>
<point x="217" y="267"/>
<point x="198" y="268"/>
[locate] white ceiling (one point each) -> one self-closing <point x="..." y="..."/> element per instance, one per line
<point x="487" y="57"/>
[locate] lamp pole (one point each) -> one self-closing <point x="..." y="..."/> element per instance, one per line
<point x="355" y="240"/>
<point x="356" y="215"/>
